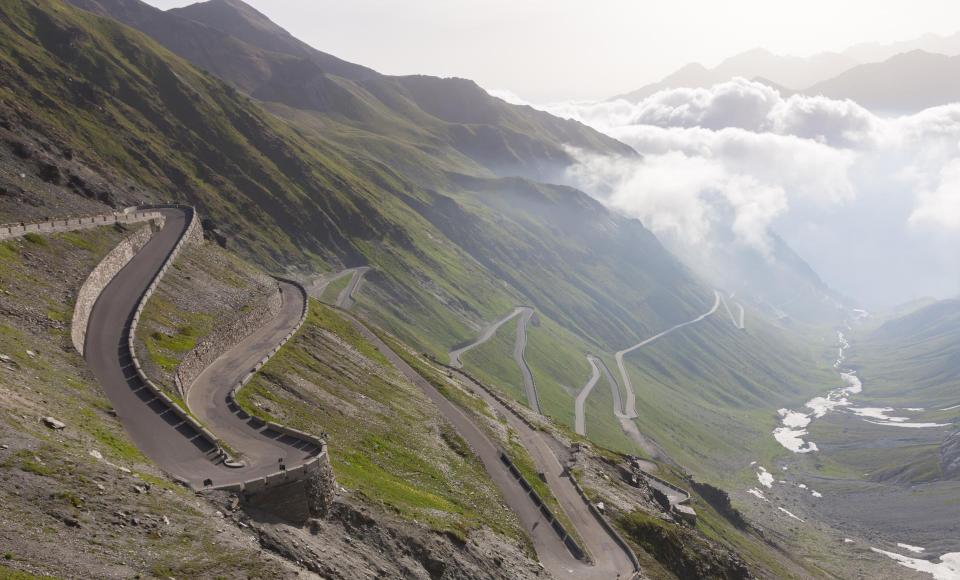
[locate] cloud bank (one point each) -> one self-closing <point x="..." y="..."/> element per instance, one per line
<point x="740" y="157"/>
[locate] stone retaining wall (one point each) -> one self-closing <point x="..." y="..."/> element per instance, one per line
<point x="557" y="526"/>
<point x="101" y="275"/>
<point x="224" y="338"/>
<point x="125" y="216"/>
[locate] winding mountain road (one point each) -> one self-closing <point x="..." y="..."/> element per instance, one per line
<point x="609" y="558"/>
<point x="346" y="299"/>
<point x="519" y="347"/>
<point x="551" y="550"/>
<point x="207" y="397"/>
<point x="485" y="335"/>
<point x="579" y="423"/>
<point x="630" y="411"/>
<point x="159" y="433"/>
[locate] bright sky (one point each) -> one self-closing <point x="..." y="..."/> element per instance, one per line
<point x="549" y="50"/>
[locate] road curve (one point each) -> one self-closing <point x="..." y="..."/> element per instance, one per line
<point x="579" y="423"/>
<point x="631" y="407"/>
<point x="485" y="335"/>
<point x="320" y="283"/>
<point x="207" y="397"/>
<point x="154" y="428"/>
<point x="519" y="346"/>
<point x="346" y="298"/>
<point x="550" y="549"/>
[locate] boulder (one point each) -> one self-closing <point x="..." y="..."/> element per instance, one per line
<point x="54" y="424"/>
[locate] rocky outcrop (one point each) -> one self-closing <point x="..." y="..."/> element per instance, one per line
<point x="682" y="550"/>
<point x="102" y="275"/>
<point x="226" y="337"/>
<point x="950" y="456"/>
<point x="356" y="542"/>
<point x="720" y="501"/>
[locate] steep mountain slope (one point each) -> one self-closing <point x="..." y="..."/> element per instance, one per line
<point x="242" y="46"/>
<point x="445" y="258"/>
<point x="905" y="83"/>
<point x="786" y="71"/>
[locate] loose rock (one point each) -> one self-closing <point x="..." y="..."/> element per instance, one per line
<point x="53" y="423"/>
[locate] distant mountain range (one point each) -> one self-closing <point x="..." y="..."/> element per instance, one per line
<point x="895" y="78"/>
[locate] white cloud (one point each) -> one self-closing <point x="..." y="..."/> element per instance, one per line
<point x="940" y="206"/>
<point x="741" y="158"/>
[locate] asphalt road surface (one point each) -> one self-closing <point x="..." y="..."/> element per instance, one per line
<point x="156" y="430"/>
<point x="631" y="408"/>
<point x="207" y="397"/>
<point x="346" y="298"/>
<point x="519" y="346"/>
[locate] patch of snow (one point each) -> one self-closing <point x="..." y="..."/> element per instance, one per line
<point x="915" y="409"/>
<point x="757" y="493"/>
<point x="96" y="454"/>
<point x="914" y="549"/>
<point x="789" y="514"/>
<point x="765" y="477"/>
<point x="951" y="408"/>
<point x="910" y="425"/>
<point x="802" y="485"/>
<point x="948" y="568"/>
<point x="752" y="463"/>
<point x="792" y="439"/>
<point x="847" y="541"/>
<point x="793" y="419"/>
<point x="815" y="493"/>
<point x="877" y="413"/>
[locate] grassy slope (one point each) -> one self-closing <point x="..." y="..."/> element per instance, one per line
<point x="405" y="458"/>
<point x="207" y="287"/>
<point x="48" y="477"/>
<point x="447" y="249"/>
<point x="709" y="393"/>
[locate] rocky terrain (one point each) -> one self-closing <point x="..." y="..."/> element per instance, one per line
<point x="79" y="500"/>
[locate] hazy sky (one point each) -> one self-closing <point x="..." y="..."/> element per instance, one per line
<point x="547" y="50"/>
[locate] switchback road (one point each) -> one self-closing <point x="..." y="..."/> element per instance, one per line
<point x="157" y="431"/>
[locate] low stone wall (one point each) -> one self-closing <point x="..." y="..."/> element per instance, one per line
<point x="192" y="234"/>
<point x="224" y="338"/>
<point x="232" y="396"/>
<point x="666" y="483"/>
<point x="578" y="552"/>
<point x="101" y="275"/>
<point x="52" y="226"/>
<point x="317" y="471"/>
